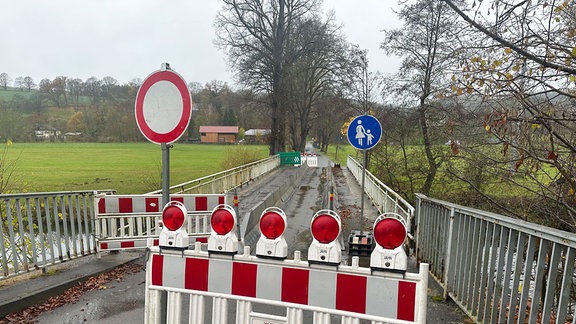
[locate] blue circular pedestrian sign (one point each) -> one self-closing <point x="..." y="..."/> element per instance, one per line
<point x="364" y="132"/>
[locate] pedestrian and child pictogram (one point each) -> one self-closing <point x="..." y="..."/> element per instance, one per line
<point x="364" y="132"/>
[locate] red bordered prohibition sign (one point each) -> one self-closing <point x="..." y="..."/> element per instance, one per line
<point x="163" y="107"/>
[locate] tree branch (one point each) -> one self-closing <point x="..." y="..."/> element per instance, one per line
<point x="506" y="43"/>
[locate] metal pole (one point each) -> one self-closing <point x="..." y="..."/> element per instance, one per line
<point x="331" y="197"/>
<point x="165" y="173"/>
<point x="165" y="199"/>
<point x="363" y="180"/>
<point x="237" y="213"/>
<point x="337" y="145"/>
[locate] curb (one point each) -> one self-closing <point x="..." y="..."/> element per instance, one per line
<point x="38" y="288"/>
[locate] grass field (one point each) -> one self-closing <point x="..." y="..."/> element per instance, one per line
<point x="129" y="168"/>
<point x="343" y="151"/>
<point x="135" y="168"/>
<point x="9" y="93"/>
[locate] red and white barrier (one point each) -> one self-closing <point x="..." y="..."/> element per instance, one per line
<point x="309" y="158"/>
<point x="351" y="292"/>
<point x="125" y="204"/>
<point x="127" y="221"/>
<point x="124" y="244"/>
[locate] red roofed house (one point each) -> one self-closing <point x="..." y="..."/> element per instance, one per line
<point x="218" y="134"/>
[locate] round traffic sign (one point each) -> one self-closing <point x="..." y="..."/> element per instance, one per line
<point x="163" y="107"/>
<point x="364" y="132"/>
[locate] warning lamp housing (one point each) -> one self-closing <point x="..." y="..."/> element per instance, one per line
<point x="174" y="219"/>
<point x="223" y="238"/>
<point x="390" y="233"/>
<point x="325" y="228"/>
<point x="272" y="227"/>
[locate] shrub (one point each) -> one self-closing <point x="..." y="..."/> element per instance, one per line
<point x="238" y="155"/>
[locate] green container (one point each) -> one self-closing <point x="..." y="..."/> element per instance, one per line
<point x="289" y="158"/>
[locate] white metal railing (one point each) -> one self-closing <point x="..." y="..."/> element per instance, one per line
<point x="41" y="229"/>
<point x="498" y="269"/>
<point x="225" y="180"/>
<point x="385" y="199"/>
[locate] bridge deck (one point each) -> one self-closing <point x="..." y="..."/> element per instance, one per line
<point x="310" y="195"/>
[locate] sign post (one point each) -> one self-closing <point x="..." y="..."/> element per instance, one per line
<point x="165" y="172"/>
<point x="163" y="108"/>
<point x="364" y="132"/>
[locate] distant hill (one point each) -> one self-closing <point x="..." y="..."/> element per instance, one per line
<point x="11" y="93"/>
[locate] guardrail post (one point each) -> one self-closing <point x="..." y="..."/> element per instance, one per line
<point x="237" y="213"/>
<point x="417" y="238"/>
<point x="448" y="249"/>
<point x="423" y="293"/>
<point x="331" y="197"/>
<point x="243" y="309"/>
<point x="220" y="310"/>
<point x="196" y="309"/>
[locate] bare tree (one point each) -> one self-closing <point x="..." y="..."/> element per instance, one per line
<point x="7" y="170"/>
<point x="541" y="31"/>
<point x="525" y="70"/>
<point x="333" y="111"/>
<point x="313" y="76"/>
<point x="29" y="83"/>
<point x="5" y="80"/>
<point x="108" y="83"/>
<point x="58" y="91"/>
<point x="19" y="83"/>
<point x="256" y="36"/>
<point x="428" y="44"/>
<point x="92" y="88"/>
<point x="75" y="89"/>
<point x="358" y="83"/>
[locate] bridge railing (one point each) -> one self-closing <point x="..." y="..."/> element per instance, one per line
<point x="384" y="198"/>
<point x="42" y="229"/>
<point x="498" y="269"/>
<point x="225" y="180"/>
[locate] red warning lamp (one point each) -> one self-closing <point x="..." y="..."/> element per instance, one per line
<point x="222" y="221"/>
<point x="390" y="232"/>
<point x="222" y="238"/>
<point x="173" y="217"/>
<point x="272" y="226"/>
<point x="325" y="227"/>
<point x="272" y="223"/>
<point x="173" y="234"/>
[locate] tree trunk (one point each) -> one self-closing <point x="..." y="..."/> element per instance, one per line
<point x="275" y="127"/>
<point x="432" y="167"/>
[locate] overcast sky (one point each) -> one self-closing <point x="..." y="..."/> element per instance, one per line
<point x="128" y="39"/>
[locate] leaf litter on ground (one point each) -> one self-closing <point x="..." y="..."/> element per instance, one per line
<point x="72" y="295"/>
